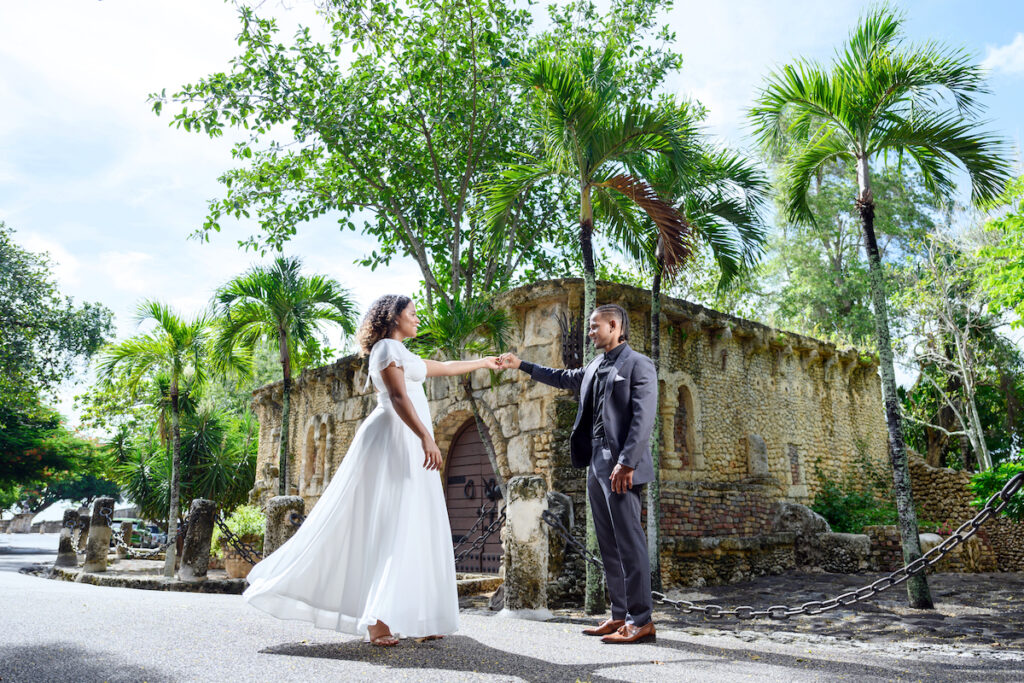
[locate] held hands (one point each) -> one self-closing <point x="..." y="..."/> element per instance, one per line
<point x="509" y="361"/>
<point x="492" y="363"/>
<point x="622" y="479"/>
<point x="431" y="454"/>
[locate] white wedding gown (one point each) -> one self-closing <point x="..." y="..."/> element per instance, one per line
<point x="378" y="544"/>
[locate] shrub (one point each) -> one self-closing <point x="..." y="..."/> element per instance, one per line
<point x="986" y="484"/>
<point x="848" y="510"/>
<point x="246" y="520"/>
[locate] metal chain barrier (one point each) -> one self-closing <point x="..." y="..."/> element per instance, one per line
<point x="296" y="519"/>
<point x="133" y="552"/>
<point x="248" y="553"/>
<point x="570" y="540"/>
<point x="921" y="564"/>
<point x="484" y="512"/>
<point x="482" y="538"/>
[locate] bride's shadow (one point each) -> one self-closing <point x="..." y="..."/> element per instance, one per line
<point x="453" y="653"/>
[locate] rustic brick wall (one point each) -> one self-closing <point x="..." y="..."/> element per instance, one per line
<point x="691" y="509"/>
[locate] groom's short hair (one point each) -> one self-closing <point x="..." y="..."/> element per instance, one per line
<point x="619" y="313"/>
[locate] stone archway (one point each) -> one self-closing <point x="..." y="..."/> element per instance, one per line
<point x="682" y="441"/>
<point x="450" y="421"/>
<point x="471" y="488"/>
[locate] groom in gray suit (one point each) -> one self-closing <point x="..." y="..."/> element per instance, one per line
<point x="612" y="433"/>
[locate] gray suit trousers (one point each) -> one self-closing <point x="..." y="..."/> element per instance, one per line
<point x="621" y="538"/>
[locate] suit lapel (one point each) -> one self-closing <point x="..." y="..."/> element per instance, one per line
<point x="588" y="377"/>
<point x="610" y="384"/>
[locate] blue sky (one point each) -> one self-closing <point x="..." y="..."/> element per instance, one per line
<point x="90" y="175"/>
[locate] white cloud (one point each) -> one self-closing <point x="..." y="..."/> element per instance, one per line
<point x="1008" y="58"/>
<point x="65" y="266"/>
<point x="130" y="271"/>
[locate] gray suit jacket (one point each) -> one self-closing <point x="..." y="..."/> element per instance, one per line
<point x="630" y="406"/>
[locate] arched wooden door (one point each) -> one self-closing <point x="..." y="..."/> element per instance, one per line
<point x="470" y="486"/>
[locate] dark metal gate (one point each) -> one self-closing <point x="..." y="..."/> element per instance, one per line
<point x="470" y="485"/>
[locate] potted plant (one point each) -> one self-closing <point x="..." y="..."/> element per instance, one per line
<point x="247" y="522"/>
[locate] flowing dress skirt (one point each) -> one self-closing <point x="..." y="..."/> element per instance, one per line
<point x="377" y="545"/>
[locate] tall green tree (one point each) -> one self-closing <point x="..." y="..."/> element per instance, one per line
<point x="1002" y="263"/>
<point x="399" y="136"/>
<point x="722" y="196"/>
<point x="280" y="306"/>
<point x="881" y="97"/>
<point x="589" y="136"/>
<point x="467" y="327"/>
<point x="180" y="349"/>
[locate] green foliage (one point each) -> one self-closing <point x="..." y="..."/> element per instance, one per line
<point x="278" y="306"/>
<point x="403" y="132"/>
<point x="986" y="484"/>
<point x="848" y="511"/>
<point x="1002" y="263"/>
<point x="817" y="278"/>
<point x="43" y="335"/>
<point x="247" y="522"/>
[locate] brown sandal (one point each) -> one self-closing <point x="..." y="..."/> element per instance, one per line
<point x="384" y="640"/>
<point x="426" y="638"/>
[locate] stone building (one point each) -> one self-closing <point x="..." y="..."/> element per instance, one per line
<point x="752" y="417"/>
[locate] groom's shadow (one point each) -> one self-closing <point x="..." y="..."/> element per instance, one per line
<point x="453" y="653"/>
<point x="462" y="653"/>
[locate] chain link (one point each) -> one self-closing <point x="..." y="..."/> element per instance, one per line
<point x="930" y="558"/>
<point x="482" y="538"/>
<point x="296" y="519"/>
<point x="248" y="553"/>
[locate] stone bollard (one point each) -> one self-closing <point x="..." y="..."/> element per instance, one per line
<point x="279" y="526"/>
<point x="195" y="552"/>
<point x="526" y="549"/>
<point x="84" y="520"/>
<point x="126" y="536"/>
<point x="98" y="544"/>
<point x="67" y="555"/>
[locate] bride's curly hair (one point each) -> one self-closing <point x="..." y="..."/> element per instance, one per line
<point x="380" y="320"/>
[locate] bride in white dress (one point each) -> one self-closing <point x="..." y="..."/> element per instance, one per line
<point x="374" y="557"/>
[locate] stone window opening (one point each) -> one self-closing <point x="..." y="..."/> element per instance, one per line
<point x="684" y="428"/>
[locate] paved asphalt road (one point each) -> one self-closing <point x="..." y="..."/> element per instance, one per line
<point x="59" y="631"/>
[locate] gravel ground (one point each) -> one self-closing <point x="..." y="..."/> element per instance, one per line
<point x="60" y="631"/>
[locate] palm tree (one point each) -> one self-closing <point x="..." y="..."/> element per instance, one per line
<point x="722" y="196"/>
<point x="590" y="133"/>
<point x="881" y="97"/>
<point x="177" y="348"/>
<point x="278" y="305"/>
<point x="467" y="327"/>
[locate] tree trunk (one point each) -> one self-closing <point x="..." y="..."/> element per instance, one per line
<point x="172" y="514"/>
<point x="593" y="602"/>
<point x="485" y="436"/>
<point x="654" y="488"/>
<point x="286" y="396"/>
<point x="917" y="586"/>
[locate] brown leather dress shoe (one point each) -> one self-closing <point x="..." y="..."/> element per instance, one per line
<point x="609" y="626"/>
<point x="629" y="633"/>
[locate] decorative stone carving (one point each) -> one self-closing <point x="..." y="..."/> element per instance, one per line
<point x="806" y="524"/>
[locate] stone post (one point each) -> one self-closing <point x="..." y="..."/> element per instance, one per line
<point x="98" y="544"/>
<point x="126" y="536"/>
<point x="195" y="552"/>
<point x="67" y="555"/>
<point x="84" y="520"/>
<point x="526" y="549"/>
<point x="279" y="526"/>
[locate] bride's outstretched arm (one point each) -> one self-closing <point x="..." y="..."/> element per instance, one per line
<point x="394" y="381"/>
<point x="436" y="368"/>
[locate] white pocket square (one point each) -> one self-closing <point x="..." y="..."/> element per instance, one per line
<point x="620" y="378"/>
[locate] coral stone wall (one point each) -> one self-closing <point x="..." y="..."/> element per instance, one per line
<point x="749" y="414"/>
<point x="943" y="495"/>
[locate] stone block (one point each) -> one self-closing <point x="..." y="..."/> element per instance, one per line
<point x="98" y="543"/>
<point x="519" y="453"/>
<point x="530" y="415"/>
<point x="844" y="553"/>
<point x="806" y="524"/>
<point x="67" y="554"/>
<point x="195" y="551"/>
<point x="526" y="548"/>
<point x="757" y="456"/>
<point x="279" y="527"/>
